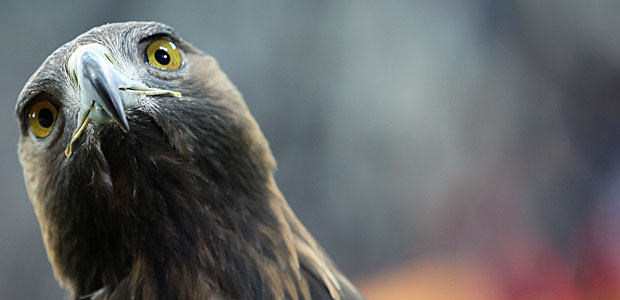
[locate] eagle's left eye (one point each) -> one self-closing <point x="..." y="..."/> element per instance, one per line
<point x="163" y="54"/>
<point x="42" y="116"/>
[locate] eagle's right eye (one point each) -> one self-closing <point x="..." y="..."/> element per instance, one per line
<point x="41" y="117"/>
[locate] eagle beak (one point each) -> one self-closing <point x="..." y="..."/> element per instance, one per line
<point x="105" y="91"/>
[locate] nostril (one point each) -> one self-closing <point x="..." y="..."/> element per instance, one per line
<point x="75" y="79"/>
<point x="110" y="59"/>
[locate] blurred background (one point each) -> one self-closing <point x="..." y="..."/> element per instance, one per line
<point x="437" y="150"/>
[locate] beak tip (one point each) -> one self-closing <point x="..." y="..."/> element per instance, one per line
<point x="124" y="126"/>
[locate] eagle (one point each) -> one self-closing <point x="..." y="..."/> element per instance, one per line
<point x="151" y="179"/>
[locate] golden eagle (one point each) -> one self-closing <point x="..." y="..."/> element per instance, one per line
<point x="151" y="180"/>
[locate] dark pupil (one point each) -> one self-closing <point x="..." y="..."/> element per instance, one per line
<point x="46" y="118"/>
<point x="162" y="57"/>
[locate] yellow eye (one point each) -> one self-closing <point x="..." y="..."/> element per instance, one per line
<point x="42" y="116"/>
<point x="164" y="55"/>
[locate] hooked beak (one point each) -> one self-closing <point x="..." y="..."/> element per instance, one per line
<point x="105" y="91"/>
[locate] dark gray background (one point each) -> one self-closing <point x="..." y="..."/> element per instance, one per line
<point x="393" y="122"/>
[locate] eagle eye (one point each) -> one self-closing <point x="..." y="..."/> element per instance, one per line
<point x="163" y="54"/>
<point x="41" y="117"/>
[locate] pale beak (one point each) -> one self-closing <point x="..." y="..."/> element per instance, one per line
<point x="105" y="91"/>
